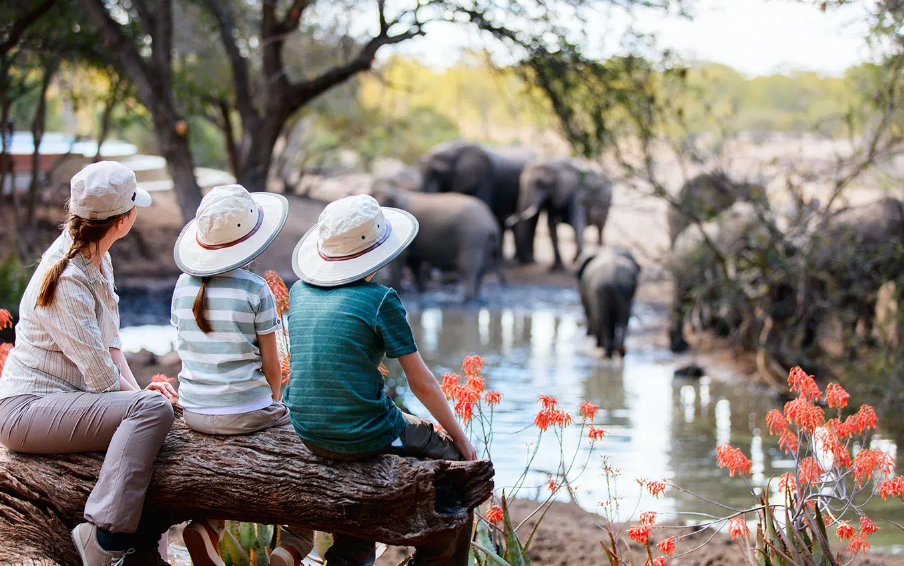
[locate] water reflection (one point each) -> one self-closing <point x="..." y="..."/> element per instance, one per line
<point x="659" y="426"/>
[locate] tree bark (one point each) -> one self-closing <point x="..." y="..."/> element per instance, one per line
<point x="269" y="477"/>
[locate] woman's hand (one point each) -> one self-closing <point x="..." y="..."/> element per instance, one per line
<point x="166" y="390"/>
<point x="466" y="448"/>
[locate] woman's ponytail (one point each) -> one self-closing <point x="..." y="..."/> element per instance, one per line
<point x="84" y="233"/>
<point x="199" y="306"/>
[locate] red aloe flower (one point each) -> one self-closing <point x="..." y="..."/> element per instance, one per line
<point x="465" y="410"/>
<point x="552" y="485"/>
<point x="596" y="433"/>
<point x="6" y="319"/>
<point x="472" y="365"/>
<point x="776" y="421"/>
<point x="4" y="353"/>
<point x="809" y="471"/>
<point x="803" y="384"/>
<point x="806" y="415"/>
<point x="492" y="397"/>
<point x="280" y="292"/>
<point x="836" y="396"/>
<point x="844" y="531"/>
<point x="867" y="526"/>
<point x="787" y="481"/>
<point x="660" y="561"/>
<point x="868" y="461"/>
<point x="450" y="385"/>
<point x="475" y="382"/>
<point x="858" y="545"/>
<point x="648" y="518"/>
<point x="863" y="420"/>
<point x="640" y="533"/>
<point x="788" y="441"/>
<point x="588" y="410"/>
<point x="494" y="515"/>
<point x="893" y="487"/>
<point x="737" y="527"/>
<point x="548" y="401"/>
<point x="667" y="546"/>
<point x="733" y="459"/>
<point x="656" y="488"/>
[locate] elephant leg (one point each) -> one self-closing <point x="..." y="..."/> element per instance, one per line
<point x="677" y="314"/>
<point x="525" y="233"/>
<point x="421" y="272"/>
<point x="472" y="266"/>
<point x="552" y="222"/>
<point x="599" y="239"/>
<point x="578" y="220"/>
<point x="395" y="274"/>
<point x="588" y="311"/>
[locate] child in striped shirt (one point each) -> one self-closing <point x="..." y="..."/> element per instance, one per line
<point x="227" y="321"/>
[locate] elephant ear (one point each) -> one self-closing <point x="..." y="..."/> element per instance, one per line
<point x="581" y="263"/>
<point x="472" y="168"/>
<point x="570" y="180"/>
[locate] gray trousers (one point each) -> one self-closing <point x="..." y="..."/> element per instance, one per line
<point x="129" y="425"/>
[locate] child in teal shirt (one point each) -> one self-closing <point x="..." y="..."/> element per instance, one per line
<point x="341" y="325"/>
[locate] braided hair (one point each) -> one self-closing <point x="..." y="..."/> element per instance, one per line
<point x="84" y="233"/>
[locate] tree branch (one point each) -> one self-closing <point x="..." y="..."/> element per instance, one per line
<point x="239" y="64"/>
<point x="22" y="24"/>
<point x="301" y="93"/>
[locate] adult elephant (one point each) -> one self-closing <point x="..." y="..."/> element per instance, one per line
<point x="567" y="194"/>
<point x="854" y="253"/>
<point x="607" y="281"/>
<point x="457" y="233"/>
<point x="472" y="169"/>
<point x="701" y="260"/>
<point x="705" y="196"/>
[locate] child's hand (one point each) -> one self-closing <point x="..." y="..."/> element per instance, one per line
<point x="466" y="448"/>
<point x="166" y="390"/>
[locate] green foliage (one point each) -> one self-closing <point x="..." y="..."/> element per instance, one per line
<point x="13" y="280"/>
<point x="247" y="544"/>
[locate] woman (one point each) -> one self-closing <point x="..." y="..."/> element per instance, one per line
<point x="66" y="386"/>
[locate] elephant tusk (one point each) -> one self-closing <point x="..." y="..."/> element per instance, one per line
<point x="528" y="213"/>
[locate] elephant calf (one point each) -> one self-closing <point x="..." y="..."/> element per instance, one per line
<point x="704" y="197"/>
<point x="457" y="233"/>
<point x="567" y="194"/>
<point x="607" y="280"/>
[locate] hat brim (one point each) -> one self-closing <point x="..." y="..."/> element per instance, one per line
<point x="198" y="261"/>
<point x="310" y="267"/>
<point x="142" y="198"/>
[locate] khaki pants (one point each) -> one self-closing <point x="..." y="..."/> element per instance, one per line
<point x="421" y="439"/>
<point x="129" y="425"/>
<point x="274" y="416"/>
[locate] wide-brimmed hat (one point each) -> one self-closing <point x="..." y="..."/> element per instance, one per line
<point x="230" y="229"/>
<point x="105" y="189"/>
<point x="353" y="238"/>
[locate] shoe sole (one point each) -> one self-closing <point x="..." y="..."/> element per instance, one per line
<point x="202" y="552"/>
<point x="78" y="545"/>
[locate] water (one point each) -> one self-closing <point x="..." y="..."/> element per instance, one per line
<point x="660" y="427"/>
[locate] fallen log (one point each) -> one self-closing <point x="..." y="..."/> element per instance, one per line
<point x="268" y="477"/>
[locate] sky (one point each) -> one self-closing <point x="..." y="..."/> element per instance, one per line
<point x="755" y="37"/>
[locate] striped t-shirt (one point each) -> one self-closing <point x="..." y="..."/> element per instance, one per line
<point x="338" y="336"/>
<point x="221" y="371"/>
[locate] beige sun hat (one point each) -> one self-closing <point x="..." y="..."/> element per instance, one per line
<point x="353" y="238"/>
<point x="230" y="229"/>
<point x="105" y="189"/>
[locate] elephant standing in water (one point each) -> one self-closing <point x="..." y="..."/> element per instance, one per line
<point x="607" y="281"/>
<point x="704" y="197"/>
<point x="854" y="253"/>
<point x="699" y="260"/>
<point x="471" y="169"/>
<point x="567" y="194"/>
<point x="457" y="233"/>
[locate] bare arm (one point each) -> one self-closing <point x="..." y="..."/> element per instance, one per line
<point x="127" y="381"/>
<point x="271" y="366"/>
<point x="427" y="390"/>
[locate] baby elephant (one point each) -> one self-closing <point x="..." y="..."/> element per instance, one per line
<point x="607" y="280"/>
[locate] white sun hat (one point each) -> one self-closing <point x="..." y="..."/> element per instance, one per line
<point x="105" y="189"/>
<point x="230" y="229"/>
<point x="353" y="238"/>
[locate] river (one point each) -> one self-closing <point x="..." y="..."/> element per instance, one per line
<point x="659" y="426"/>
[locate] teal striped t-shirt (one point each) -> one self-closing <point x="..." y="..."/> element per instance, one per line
<point x="221" y="371"/>
<point x="338" y="336"/>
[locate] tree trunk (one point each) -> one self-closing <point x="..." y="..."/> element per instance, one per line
<point x="174" y="148"/>
<point x="269" y="477"/>
<point x="258" y="150"/>
<point x="37" y="134"/>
